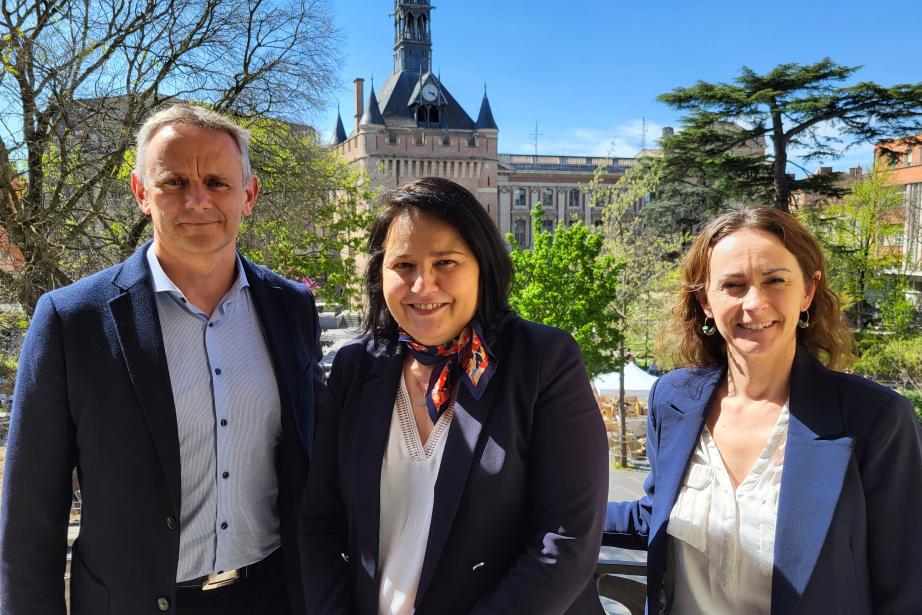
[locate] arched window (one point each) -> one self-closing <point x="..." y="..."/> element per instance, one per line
<point x="519" y="232"/>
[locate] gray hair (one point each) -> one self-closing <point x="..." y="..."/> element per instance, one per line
<point x="182" y="113"/>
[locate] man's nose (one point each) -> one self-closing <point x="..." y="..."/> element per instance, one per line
<point x="197" y="196"/>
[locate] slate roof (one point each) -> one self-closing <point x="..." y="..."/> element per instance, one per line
<point x="397" y="93"/>
<point x="372" y="115"/>
<point x="339" y="133"/>
<point x="485" y="120"/>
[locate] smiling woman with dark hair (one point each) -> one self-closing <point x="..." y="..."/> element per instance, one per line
<point x="460" y="464"/>
<point x="777" y="485"/>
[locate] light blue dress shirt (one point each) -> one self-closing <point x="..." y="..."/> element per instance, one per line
<point x="228" y="416"/>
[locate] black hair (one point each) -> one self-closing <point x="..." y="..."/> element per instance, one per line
<point x="454" y="205"/>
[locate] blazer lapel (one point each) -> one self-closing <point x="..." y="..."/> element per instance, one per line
<point x="679" y="428"/>
<point x="470" y="415"/>
<point x="816" y="458"/>
<point x="276" y="322"/>
<point x="137" y="323"/>
<point x="373" y="422"/>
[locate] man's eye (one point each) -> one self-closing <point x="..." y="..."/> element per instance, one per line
<point x="401" y="266"/>
<point x="216" y="183"/>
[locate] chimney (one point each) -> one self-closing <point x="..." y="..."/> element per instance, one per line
<point x="668" y="131"/>
<point x="359" y="100"/>
<point x="825" y="170"/>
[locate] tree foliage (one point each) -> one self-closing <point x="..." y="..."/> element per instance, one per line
<point x="568" y="282"/>
<point x="310" y="220"/>
<point x="77" y="80"/>
<point x="651" y="252"/>
<point x="802" y="108"/>
<point x="860" y="235"/>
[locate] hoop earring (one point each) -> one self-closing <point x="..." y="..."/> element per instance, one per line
<point x="804" y="321"/>
<point x="707" y="329"/>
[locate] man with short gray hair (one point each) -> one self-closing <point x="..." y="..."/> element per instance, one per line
<point x="180" y="384"/>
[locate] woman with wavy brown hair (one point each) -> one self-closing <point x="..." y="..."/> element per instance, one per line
<point x="777" y="485"/>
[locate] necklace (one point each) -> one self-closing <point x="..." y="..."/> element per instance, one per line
<point x="421" y="387"/>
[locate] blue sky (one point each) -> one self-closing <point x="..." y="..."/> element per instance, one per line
<point x="589" y="71"/>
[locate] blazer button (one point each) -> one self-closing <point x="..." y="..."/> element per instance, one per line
<point x="163" y="604"/>
<point x="345" y="557"/>
<point x="171" y="523"/>
<point x="478" y="566"/>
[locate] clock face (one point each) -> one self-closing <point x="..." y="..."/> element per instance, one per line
<point x="430" y="92"/>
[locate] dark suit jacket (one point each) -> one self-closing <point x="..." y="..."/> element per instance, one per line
<point x="848" y="538"/>
<point x="522" y="485"/>
<point x="93" y="392"/>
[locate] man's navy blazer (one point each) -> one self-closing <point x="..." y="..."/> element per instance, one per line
<point x="93" y="392"/>
<point x="519" y="499"/>
<point x="848" y="538"/>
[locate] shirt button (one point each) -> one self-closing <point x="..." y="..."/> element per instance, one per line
<point x="211" y="324"/>
<point x="171" y="523"/>
<point x="183" y="299"/>
<point x="225" y="475"/>
<point x="163" y="604"/>
<point x="223" y="422"/>
<point x="218" y="371"/>
<point x="224" y="525"/>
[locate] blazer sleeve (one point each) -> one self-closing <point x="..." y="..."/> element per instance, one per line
<point x="891" y="473"/>
<point x="37" y="488"/>
<point x="627" y="524"/>
<point x="322" y="525"/>
<point x="568" y="479"/>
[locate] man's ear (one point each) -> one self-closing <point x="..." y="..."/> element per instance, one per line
<point x="250" y="191"/>
<point x="140" y="195"/>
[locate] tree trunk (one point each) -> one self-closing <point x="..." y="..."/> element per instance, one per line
<point x="622" y="418"/>
<point x="782" y="184"/>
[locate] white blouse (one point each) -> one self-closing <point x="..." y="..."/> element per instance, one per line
<point x="722" y="545"/>
<point x="408" y="476"/>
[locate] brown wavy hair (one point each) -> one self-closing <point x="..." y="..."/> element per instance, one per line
<point x="826" y="338"/>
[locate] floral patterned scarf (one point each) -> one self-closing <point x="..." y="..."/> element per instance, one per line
<point x="466" y="356"/>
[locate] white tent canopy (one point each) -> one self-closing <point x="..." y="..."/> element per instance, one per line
<point x="637" y="383"/>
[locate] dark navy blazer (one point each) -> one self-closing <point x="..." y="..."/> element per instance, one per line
<point x="849" y="534"/>
<point x="519" y="499"/>
<point x="93" y="392"/>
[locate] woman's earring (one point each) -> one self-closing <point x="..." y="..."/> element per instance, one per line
<point x="708" y="329"/>
<point x="804" y="321"/>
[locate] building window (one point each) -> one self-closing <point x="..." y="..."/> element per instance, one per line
<point x="520" y="198"/>
<point x="548" y="199"/>
<point x="519" y="232"/>
<point x="472" y="141"/>
<point x="446" y="140"/>
<point x="420" y="139"/>
<point x="547" y="225"/>
<point x="573" y="198"/>
<point x="909" y="158"/>
<point x="392" y="138"/>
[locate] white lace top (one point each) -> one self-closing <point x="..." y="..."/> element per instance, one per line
<point x="723" y="540"/>
<point x="408" y="477"/>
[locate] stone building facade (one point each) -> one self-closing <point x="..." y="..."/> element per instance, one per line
<point x="413" y="127"/>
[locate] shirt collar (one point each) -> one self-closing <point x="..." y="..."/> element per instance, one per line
<point x="163" y="283"/>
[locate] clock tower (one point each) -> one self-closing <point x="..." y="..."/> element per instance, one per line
<point x="412" y="36"/>
<point x="411" y="126"/>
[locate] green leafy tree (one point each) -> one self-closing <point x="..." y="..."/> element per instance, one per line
<point x="793" y="106"/>
<point x="568" y="282"/>
<point x="860" y="234"/>
<point x="77" y="79"/>
<point x="311" y="216"/>
<point x="650" y="254"/>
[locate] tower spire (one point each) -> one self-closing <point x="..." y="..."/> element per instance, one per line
<point x="412" y="36"/>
